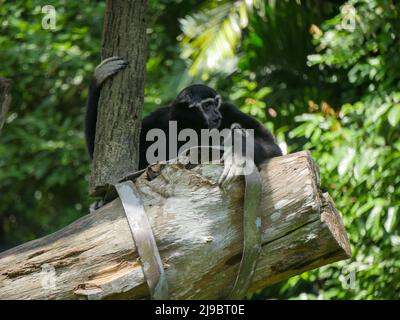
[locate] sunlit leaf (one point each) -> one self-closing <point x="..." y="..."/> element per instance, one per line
<point x="211" y="37"/>
<point x="394" y="115"/>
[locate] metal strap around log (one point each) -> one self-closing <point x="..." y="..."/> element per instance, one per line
<point x="251" y="229"/>
<point x="251" y="234"/>
<point x="144" y="240"/>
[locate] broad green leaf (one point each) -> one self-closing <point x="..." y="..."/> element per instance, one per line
<point x="391" y="219"/>
<point x="394" y="115"/>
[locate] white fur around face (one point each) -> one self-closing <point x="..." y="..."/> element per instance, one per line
<point x="216" y="100"/>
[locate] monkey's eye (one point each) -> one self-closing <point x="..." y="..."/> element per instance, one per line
<point x="207" y="105"/>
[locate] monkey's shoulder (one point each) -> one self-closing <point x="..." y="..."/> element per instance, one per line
<point x="157" y="119"/>
<point x="232" y="114"/>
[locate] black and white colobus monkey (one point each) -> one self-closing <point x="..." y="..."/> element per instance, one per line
<point x="196" y="107"/>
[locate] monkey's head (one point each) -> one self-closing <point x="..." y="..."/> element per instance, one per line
<point x="198" y="104"/>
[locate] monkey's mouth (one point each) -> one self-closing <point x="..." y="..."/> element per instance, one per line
<point x="214" y="124"/>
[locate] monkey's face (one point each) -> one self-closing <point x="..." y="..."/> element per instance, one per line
<point x="202" y="105"/>
<point x="210" y="111"/>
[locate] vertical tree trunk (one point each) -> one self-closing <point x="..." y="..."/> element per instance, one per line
<point x="5" y="99"/>
<point x="118" y="121"/>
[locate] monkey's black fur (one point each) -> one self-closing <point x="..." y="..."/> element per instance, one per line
<point x="91" y="117"/>
<point x="265" y="146"/>
<point x="196" y="107"/>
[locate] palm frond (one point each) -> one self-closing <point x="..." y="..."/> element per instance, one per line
<point x="210" y="37"/>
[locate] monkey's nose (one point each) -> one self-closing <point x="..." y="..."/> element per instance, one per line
<point x="216" y="122"/>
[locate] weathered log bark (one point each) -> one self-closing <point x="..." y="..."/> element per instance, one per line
<point x="198" y="229"/>
<point x="5" y="99"/>
<point x="121" y="100"/>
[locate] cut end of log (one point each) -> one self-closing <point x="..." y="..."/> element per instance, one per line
<point x="333" y="220"/>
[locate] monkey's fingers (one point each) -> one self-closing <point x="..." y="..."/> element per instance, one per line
<point x="235" y="126"/>
<point x="230" y="177"/>
<point x="230" y="173"/>
<point x="107" y="60"/>
<point x="107" y="68"/>
<point x="223" y="175"/>
<point x="227" y="159"/>
<point x="234" y="172"/>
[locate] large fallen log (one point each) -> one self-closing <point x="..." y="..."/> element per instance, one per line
<point x="198" y="229"/>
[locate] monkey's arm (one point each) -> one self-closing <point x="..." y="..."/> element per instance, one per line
<point x="91" y="117"/>
<point x="103" y="71"/>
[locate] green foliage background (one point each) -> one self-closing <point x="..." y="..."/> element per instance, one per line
<point x="323" y="75"/>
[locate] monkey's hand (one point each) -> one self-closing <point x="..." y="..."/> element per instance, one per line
<point x="107" y="68"/>
<point x="234" y="161"/>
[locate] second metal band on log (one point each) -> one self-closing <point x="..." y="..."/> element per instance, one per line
<point x="251" y="234"/>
